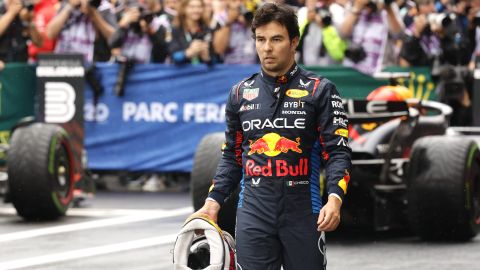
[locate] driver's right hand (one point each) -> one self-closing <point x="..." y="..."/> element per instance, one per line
<point x="210" y="209"/>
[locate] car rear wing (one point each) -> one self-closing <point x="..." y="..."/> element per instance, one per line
<point x="371" y="111"/>
<point x="368" y="111"/>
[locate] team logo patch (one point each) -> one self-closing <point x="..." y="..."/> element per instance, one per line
<point x="304" y="85"/>
<point x="296" y="93"/>
<point x="343" y="184"/>
<point x="342" y="132"/>
<point x="250" y="94"/>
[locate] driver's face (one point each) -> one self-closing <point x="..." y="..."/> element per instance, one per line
<point x="274" y="47"/>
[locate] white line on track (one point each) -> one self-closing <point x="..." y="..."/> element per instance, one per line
<point x="94" y="212"/>
<point x="150" y="215"/>
<point x="88" y="252"/>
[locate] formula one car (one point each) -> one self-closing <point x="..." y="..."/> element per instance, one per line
<point x="38" y="176"/>
<point x="410" y="171"/>
<point x="41" y="140"/>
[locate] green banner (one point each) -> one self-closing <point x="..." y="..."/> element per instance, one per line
<point x="17" y="94"/>
<point x="353" y="84"/>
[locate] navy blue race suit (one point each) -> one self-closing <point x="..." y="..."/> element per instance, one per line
<point x="279" y="132"/>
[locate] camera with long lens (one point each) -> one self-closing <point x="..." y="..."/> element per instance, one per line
<point x="246" y="13"/>
<point x="325" y="16"/>
<point x="443" y="20"/>
<point x="355" y="53"/>
<point x="28" y="4"/>
<point x="145" y="15"/>
<point x="94" y="3"/>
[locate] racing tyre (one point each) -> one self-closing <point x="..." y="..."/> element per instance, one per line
<point x="40" y="171"/>
<point x="444" y="188"/>
<point x="206" y="159"/>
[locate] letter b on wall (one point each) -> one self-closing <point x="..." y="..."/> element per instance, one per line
<point x="59" y="102"/>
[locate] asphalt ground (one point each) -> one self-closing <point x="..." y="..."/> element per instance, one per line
<point x="136" y="230"/>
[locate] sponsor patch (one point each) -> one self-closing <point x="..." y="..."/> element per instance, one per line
<point x="338" y="121"/>
<point x="343" y="184"/>
<point x="255" y="182"/>
<point x="248" y="84"/>
<point x="272" y="144"/>
<point x="304" y="85"/>
<point x="342" y="142"/>
<point x="296" y="93"/>
<point x="298" y="123"/>
<point x="296" y="183"/>
<point x="250" y="93"/>
<point x="249" y="107"/>
<point x="342" y="132"/>
<point x="295" y="112"/>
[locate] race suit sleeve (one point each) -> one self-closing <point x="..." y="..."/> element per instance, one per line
<point x="229" y="170"/>
<point x="332" y="124"/>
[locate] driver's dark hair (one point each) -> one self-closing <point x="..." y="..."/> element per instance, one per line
<point x="280" y="13"/>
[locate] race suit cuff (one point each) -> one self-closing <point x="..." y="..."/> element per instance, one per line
<point x="336" y="190"/>
<point x="336" y="196"/>
<point x="211" y="199"/>
<point x="216" y="196"/>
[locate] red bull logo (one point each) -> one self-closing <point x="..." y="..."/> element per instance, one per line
<point x="272" y="144"/>
<point x="277" y="169"/>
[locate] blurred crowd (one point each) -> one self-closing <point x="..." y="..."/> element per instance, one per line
<point x="367" y="35"/>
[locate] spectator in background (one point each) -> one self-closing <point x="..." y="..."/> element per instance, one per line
<point x="321" y="44"/>
<point x="372" y="29"/>
<point x="474" y="25"/>
<point x="139" y="34"/>
<point x="233" y="40"/>
<point x="191" y="36"/>
<point x="43" y="12"/>
<point x="16" y="29"/>
<point x="421" y="43"/>
<point x="83" y="26"/>
<point x="166" y="16"/>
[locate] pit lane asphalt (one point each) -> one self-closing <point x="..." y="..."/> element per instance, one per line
<point x="136" y="230"/>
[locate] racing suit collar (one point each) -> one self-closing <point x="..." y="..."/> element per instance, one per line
<point x="283" y="79"/>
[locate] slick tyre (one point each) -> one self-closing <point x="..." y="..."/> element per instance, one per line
<point x="40" y="171"/>
<point x="444" y="188"/>
<point x="205" y="163"/>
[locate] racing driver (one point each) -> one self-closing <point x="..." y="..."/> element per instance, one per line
<point x="282" y="123"/>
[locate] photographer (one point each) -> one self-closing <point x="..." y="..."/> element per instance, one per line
<point x="191" y="36"/>
<point x="83" y="26"/>
<point x="16" y="28"/>
<point x="439" y="40"/>
<point x="372" y="27"/>
<point x="139" y="35"/>
<point x="232" y="40"/>
<point x="422" y="38"/>
<point x="321" y="43"/>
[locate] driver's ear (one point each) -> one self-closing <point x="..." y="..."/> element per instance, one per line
<point x="294" y="43"/>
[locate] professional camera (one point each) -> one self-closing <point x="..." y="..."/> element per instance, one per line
<point x="441" y="19"/>
<point x="355" y="52"/>
<point x="246" y="13"/>
<point x="325" y="15"/>
<point x="145" y="15"/>
<point x="28" y="4"/>
<point x="372" y="4"/>
<point x="94" y="3"/>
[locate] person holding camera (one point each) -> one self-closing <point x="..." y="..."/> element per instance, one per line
<point x="83" y="26"/>
<point x="321" y="43"/>
<point x="422" y="41"/>
<point x="16" y="29"/>
<point x="139" y="35"/>
<point x="232" y="38"/>
<point x="372" y="27"/>
<point x="191" y="37"/>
